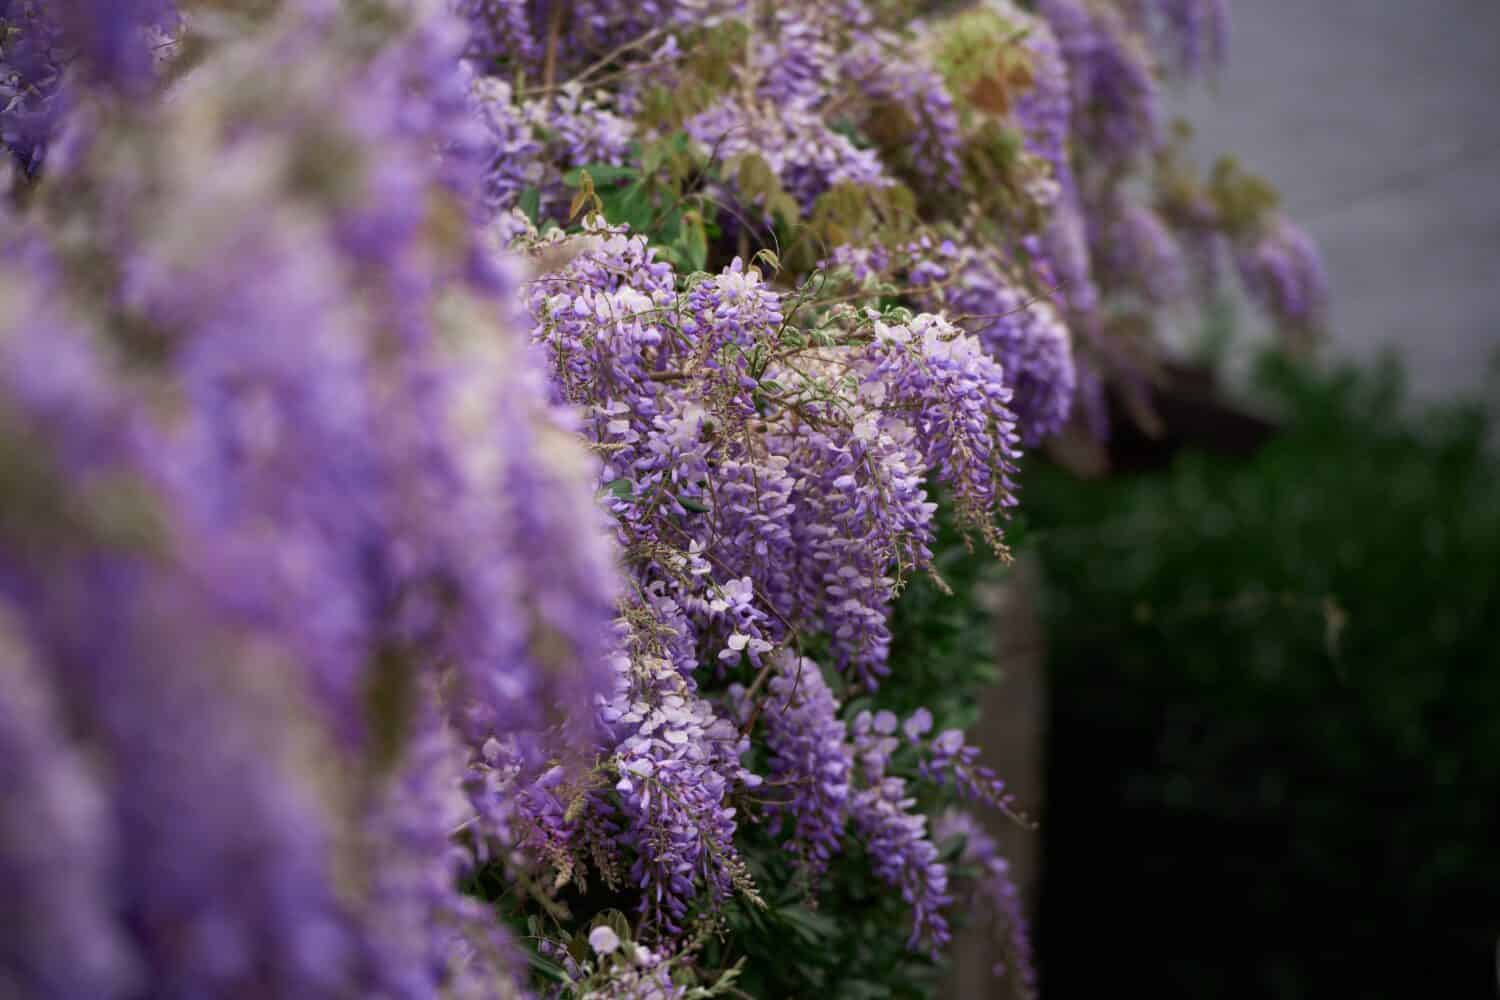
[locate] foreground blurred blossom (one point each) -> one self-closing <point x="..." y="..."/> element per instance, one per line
<point x="288" y="522"/>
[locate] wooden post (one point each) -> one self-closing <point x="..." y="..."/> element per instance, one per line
<point x="1012" y="739"/>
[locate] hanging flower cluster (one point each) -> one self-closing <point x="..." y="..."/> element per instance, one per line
<point x="766" y="457"/>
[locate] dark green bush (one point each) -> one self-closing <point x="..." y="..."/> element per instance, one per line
<point x="1275" y="736"/>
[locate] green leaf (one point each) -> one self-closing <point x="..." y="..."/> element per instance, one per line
<point x="551" y="970"/>
<point x="531" y="204"/>
<point x="810" y="926"/>
<point x="653" y="156"/>
<point x="755" y="177"/>
<point x="599" y="173"/>
<point x="618" y="922"/>
<point x="785" y="208"/>
<point x="693" y="506"/>
<point x="618" y="207"/>
<point x="622" y="489"/>
<point x="693" y="241"/>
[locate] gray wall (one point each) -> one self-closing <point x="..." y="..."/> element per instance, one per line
<point x="1379" y="120"/>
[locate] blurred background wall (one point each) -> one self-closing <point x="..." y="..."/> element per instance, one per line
<point x="1379" y="121"/>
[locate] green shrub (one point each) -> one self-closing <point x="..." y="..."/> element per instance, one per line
<point x="1275" y="736"/>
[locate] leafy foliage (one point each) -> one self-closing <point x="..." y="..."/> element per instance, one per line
<point x="1276" y="686"/>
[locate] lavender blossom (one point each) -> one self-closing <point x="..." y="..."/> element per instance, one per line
<point x="996" y="892"/>
<point x="804" y="153"/>
<point x="1116" y="108"/>
<point x="896" y="837"/>
<point x="1047" y="117"/>
<point x="810" y="761"/>
<point x="1284" y="274"/>
<point x="1193" y="34"/>
<point x="1135" y="252"/>
<point x="1020" y="330"/>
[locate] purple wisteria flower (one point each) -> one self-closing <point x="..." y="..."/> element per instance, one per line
<point x="1193" y="35"/>
<point x="113" y="45"/>
<point x="896" y="836"/>
<point x="758" y="500"/>
<point x="1135" y="252"/>
<point x="797" y="143"/>
<point x="1116" y="109"/>
<point x="917" y="93"/>
<point x="996" y="892"/>
<point x="1019" y="329"/>
<point x="1283" y="272"/>
<point x="676" y="763"/>
<point x="810" y="764"/>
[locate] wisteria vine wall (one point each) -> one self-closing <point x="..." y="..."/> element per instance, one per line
<point x="458" y="462"/>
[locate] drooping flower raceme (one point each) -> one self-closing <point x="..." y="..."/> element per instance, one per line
<point x="1116" y="113"/>
<point x="996" y="893"/>
<point x="1135" y="252"/>
<point x="900" y="844"/>
<point x="1282" y="270"/>
<point x="811" y="761"/>
<point x="768" y="482"/>
<point x="1192" y="34"/>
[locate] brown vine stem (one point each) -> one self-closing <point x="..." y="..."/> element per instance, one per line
<point x="609" y="57"/>
<point x="554" y="33"/>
